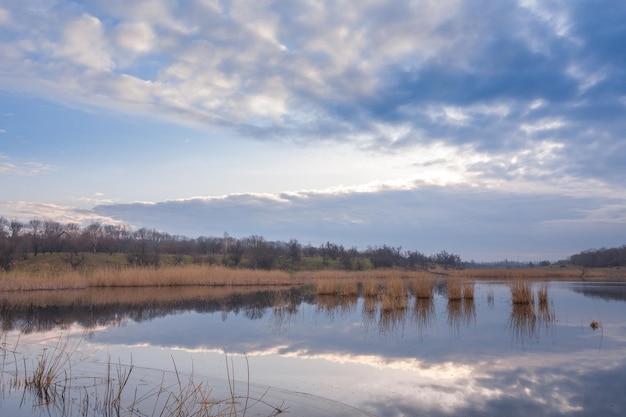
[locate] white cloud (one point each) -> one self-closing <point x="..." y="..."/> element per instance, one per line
<point x="84" y="43"/>
<point x="25" y="211"/>
<point x="11" y="166"/>
<point x="137" y="37"/>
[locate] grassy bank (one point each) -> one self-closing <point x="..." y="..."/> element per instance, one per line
<point x="51" y="272"/>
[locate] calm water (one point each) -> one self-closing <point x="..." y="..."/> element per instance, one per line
<point x="330" y="356"/>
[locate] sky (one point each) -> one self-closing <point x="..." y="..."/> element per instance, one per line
<point x="491" y="129"/>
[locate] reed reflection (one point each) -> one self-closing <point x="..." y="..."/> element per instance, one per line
<point x="285" y="306"/>
<point x="424" y="315"/>
<point x="526" y="321"/>
<point x="335" y="306"/>
<point x="461" y="308"/>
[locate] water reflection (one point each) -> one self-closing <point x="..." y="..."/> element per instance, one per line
<point x="526" y="322"/>
<point x="361" y="350"/>
<point x="424" y="314"/>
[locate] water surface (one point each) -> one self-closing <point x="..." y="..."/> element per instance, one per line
<point x="313" y="356"/>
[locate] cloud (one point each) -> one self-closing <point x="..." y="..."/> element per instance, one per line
<point x="26" y="211"/>
<point x="11" y="166"/>
<point x="306" y="71"/>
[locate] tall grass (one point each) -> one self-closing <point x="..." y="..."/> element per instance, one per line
<point x="423" y="287"/>
<point x="542" y="293"/>
<point x="522" y="292"/>
<point x="459" y="290"/>
<point x="170" y="276"/>
<point x="454" y="290"/>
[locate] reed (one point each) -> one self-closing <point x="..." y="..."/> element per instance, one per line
<point x="454" y="290"/>
<point x="170" y="276"/>
<point x="370" y="287"/>
<point x="542" y="293"/>
<point x="468" y="290"/>
<point x="326" y="286"/>
<point x="522" y="292"/>
<point x="423" y="287"/>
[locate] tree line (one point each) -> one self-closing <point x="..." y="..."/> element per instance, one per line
<point x="599" y="258"/>
<point x="146" y="247"/>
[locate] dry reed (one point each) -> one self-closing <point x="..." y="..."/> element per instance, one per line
<point x="542" y="293"/>
<point x="468" y="290"/>
<point x="423" y="287"/>
<point x="454" y="290"/>
<point x="370" y="288"/>
<point x="522" y="292"/>
<point x="170" y="276"/>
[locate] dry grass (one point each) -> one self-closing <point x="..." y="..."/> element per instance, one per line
<point x="370" y="288"/>
<point x="459" y="289"/>
<point x="522" y="292"/>
<point x="170" y="276"/>
<point x="57" y="278"/>
<point x="423" y="287"/>
<point x="468" y="290"/>
<point x="569" y="273"/>
<point x="454" y="290"/>
<point x="542" y="293"/>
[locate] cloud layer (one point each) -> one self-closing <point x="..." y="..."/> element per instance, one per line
<point x="502" y="77"/>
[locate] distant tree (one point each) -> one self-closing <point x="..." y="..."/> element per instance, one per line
<point x="236" y="251"/>
<point x="416" y="260"/>
<point x="36" y="227"/>
<point x="447" y="260"/>
<point x="294" y="251"/>
<point x="262" y="254"/>
<point x="385" y="256"/>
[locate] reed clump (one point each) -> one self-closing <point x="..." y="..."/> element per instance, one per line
<point x="459" y="290"/>
<point x="370" y="288"/>
<point x="454" y="290"/>
<point x="468" y="290"/>
<point x="522" y="292"/>
<point x="423" y="287"/>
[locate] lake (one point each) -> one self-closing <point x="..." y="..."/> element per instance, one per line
<point x="288" y="351"/>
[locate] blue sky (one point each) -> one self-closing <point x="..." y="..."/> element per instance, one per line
<point x="491" y="129"/>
